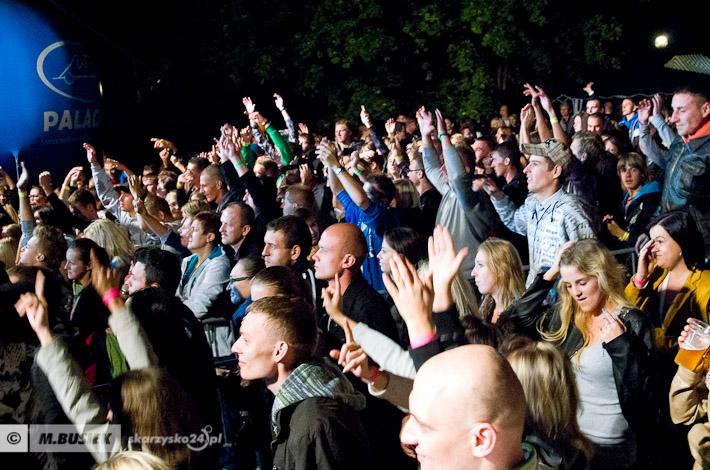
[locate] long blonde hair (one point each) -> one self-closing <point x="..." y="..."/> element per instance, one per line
<point x="133" y="460"/>
<point x="551" y="393"/>
<point x="461" y="292"/>
<point x="111" y="237"/>
<point x="504" y="262"/>
<point x="8" y="252"/>
<point x="592" y="259"/>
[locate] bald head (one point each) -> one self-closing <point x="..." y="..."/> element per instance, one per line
<point x="467" y="391"/>
<point x="341" y="248"/>
<point x="350" y="240"/>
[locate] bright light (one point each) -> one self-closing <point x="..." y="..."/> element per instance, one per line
<point x="661" y="41"/>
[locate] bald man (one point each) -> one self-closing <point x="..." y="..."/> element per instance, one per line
<point x="341" y="251"/>
<point x="467" y="411"/>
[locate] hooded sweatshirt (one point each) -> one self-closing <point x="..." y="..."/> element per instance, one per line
<point x="314" y="420"/>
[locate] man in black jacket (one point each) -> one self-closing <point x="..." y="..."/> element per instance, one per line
<point x="342" y="250"/>
<point x="314" y="421"/>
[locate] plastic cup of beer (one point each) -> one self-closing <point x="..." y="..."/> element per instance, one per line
<point x="691" y="352"/>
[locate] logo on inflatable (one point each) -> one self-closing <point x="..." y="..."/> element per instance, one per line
<point x="65" y="68"/>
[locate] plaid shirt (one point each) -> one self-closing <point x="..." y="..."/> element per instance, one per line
<point x="548" y="224"/>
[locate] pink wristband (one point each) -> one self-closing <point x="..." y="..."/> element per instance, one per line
<point x="110" y="295"/>
<point x="373" y="376"/>
<point x="422" y="340"/>
<point x="639" y="283"/>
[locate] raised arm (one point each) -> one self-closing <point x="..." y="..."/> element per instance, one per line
<point x="340" y="177"/>
<point x="367" y="122"/>
<point x="543" y="130"/>
<point x="104" y="189"/>
<point x="649" y="112"/>
<point x="27" y="220"/>
<point x="279" y="102"/>
<point x="557" y="131"/>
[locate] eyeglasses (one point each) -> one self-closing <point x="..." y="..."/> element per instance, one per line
<point x="237" y="279"/>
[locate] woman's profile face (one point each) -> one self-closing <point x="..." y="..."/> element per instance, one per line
<point x="665" y="250"/>
<point x="482" y="274"/>
<point x="384" y="256"/>
<point x="583" y="288"/>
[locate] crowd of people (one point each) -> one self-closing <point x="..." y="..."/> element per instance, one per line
<point x="440" y="295"/>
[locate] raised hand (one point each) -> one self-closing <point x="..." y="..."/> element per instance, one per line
<point x="24" y="178"/>
<point x="279" y="102"/>
<point x="645" y="260"/>
<point x="90" y="154"/>
<point x="588" y="88"/>
<point x="302" y="128"/>
<point x="45" y="182"/>
<point x="412" y="150"/>
<point x="103" y="278"/>
<point x="554" y="270"/>
<point x="412" y="294"/>
<point x="444" y="261"/>
<point x="73" y="175"/>
<point x="333" y="303"/>
<point x="390" y="126"/>
<point x="166" y="148"/>
<point x="644" y="110"/>
<point x="226" y="149"/>
<point x="352" y="357"/>
<point x="248" y="105"/>
<point x="306" y="174"/>
<point x="440" y="123"/>
<point x="657" y="101"/>
<point x="135" y="186"/>
<point x="161" y="144"/>
<point x="545" y="100"/>
<point x="34" y="307"/>
<point x="139" y="206"/>
<point x="186" y="178"/>
<point x="533" y="93"/>
<point x="365" y="117"/>
<point x="424" y="120"/>
<point x="328" y="154"/>
<point x="527" y="116"/>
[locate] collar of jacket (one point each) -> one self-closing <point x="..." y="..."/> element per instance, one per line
<point x="313" y="379"/>
<point x="703" y="131"/>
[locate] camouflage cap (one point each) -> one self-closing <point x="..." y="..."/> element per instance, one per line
<point x="551" y="148"/>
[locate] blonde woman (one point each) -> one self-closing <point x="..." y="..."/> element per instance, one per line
<point x="111" y="237"/>
<point x="498" y="273"/>
<point x="8" y="252"/>
<point x="552" y="401"/>
<point x="609" y="342"/>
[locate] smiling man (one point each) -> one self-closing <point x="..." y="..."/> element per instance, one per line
<point x="687" y="160"/>
<point x="314" y="421"/>
<point x="549" y="217"/>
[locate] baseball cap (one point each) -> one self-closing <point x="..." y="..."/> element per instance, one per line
<point x="551" y="148"/>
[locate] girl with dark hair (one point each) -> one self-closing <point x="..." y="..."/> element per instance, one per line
<point x="405" y="241"/>
<point x="670" y="284"/>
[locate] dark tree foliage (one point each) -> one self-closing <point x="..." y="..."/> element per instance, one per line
<point x="392" y="56"/>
